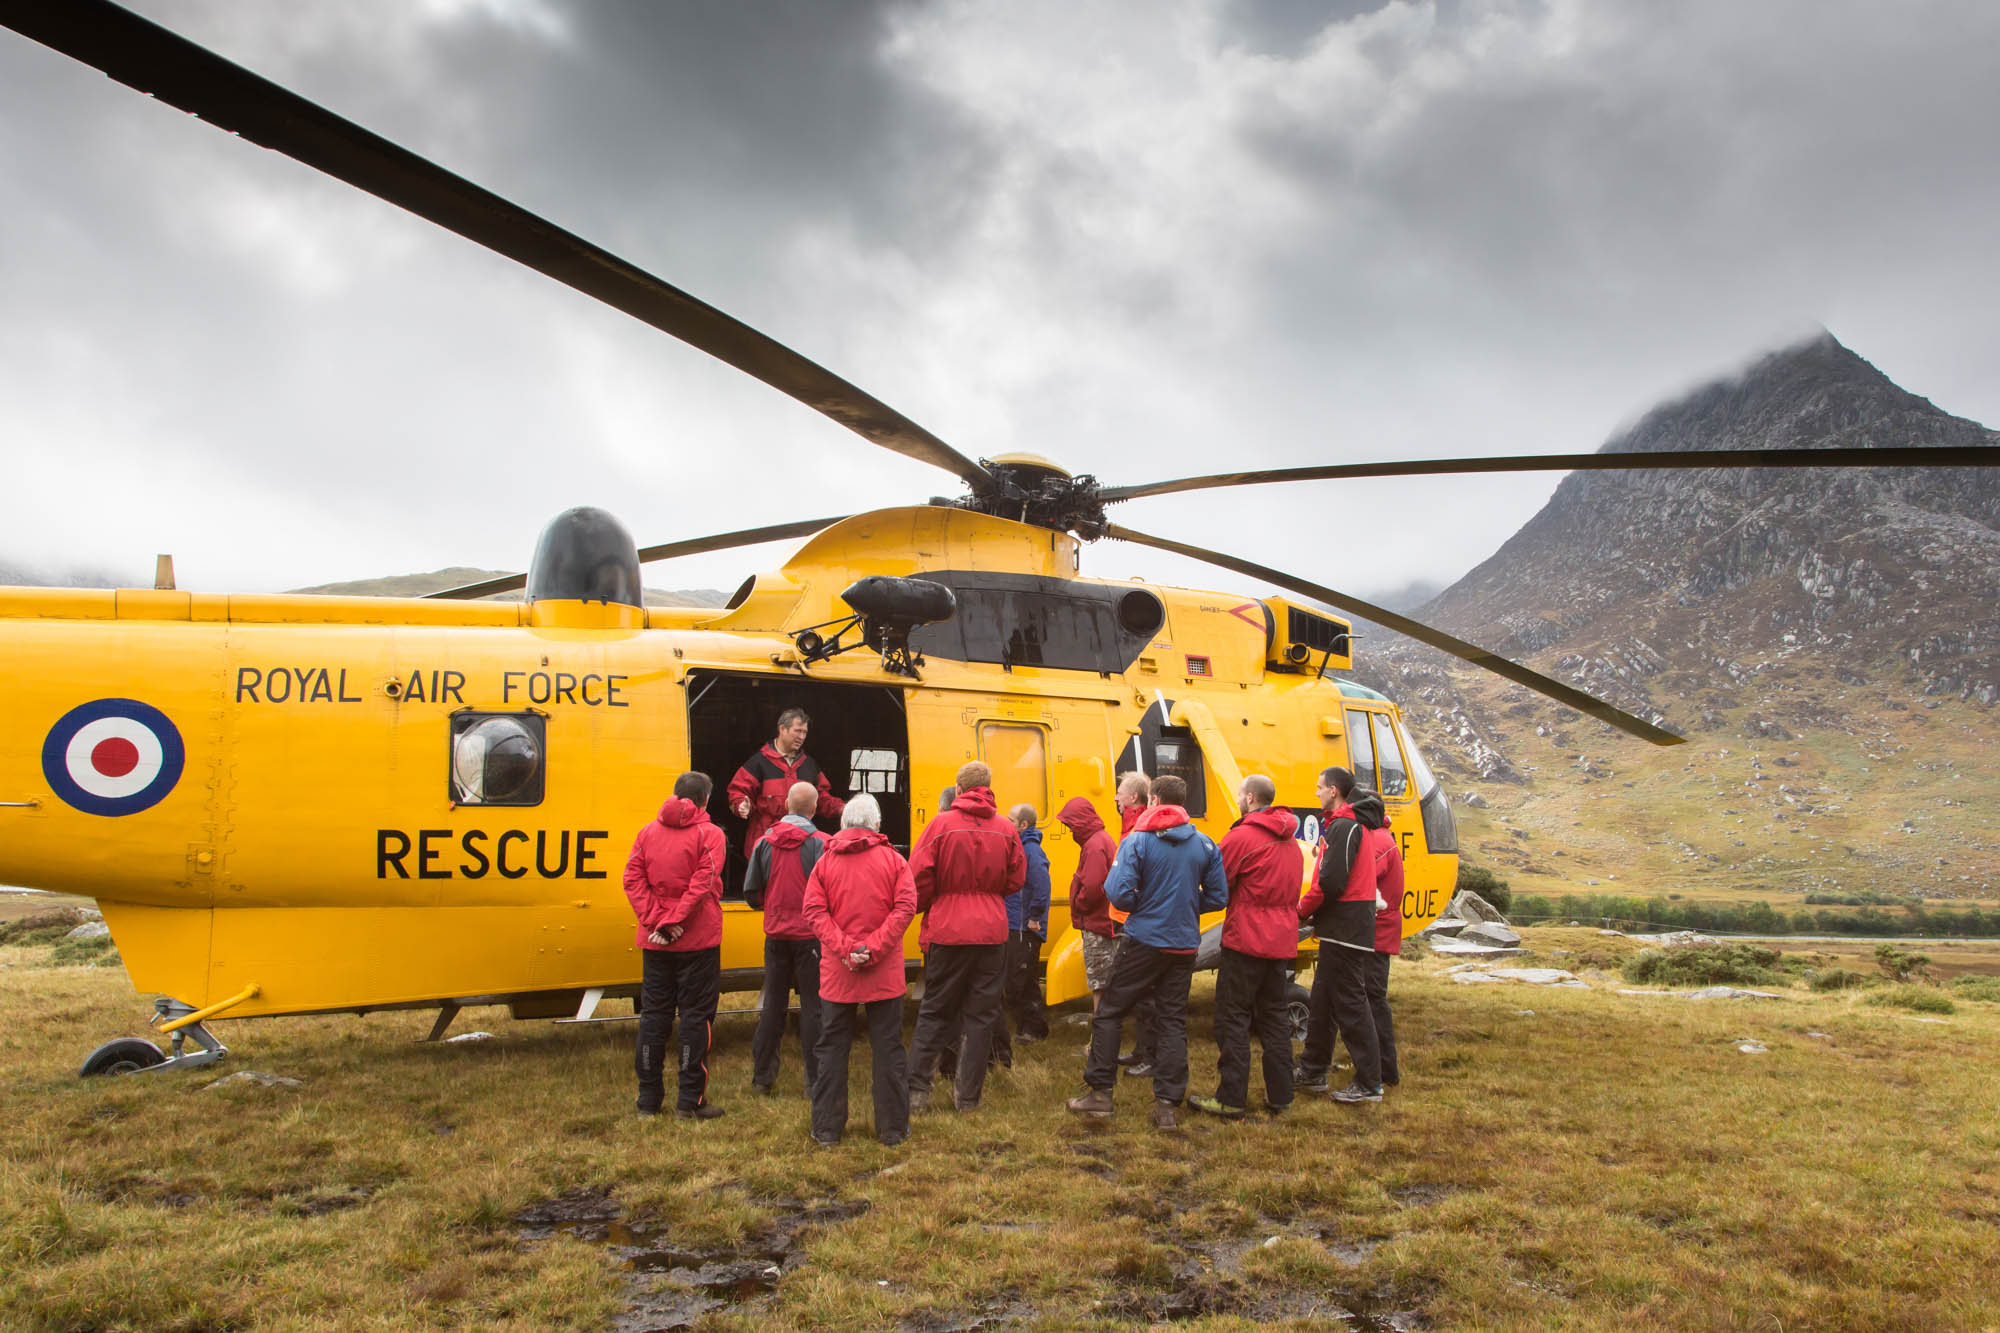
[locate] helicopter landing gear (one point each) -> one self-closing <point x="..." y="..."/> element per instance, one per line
<point x="136" y="1055"/>
<point x="1298" y="1006"/>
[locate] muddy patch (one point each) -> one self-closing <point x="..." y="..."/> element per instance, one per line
<point x="1422" y="1196"/>
<point x="1000" y="1312"/>
<point x="670" y="1286"/>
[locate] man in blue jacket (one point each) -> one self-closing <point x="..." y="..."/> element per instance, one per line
<point x="1027" y="927"/>
<point x="1166" y="875"/>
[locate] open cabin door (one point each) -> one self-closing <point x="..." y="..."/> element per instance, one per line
<point x="859" y="736"/>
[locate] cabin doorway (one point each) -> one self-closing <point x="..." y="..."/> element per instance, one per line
<point x="859" y="736"/>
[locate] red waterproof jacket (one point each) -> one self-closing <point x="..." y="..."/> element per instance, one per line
<point x="1089" y="909"/>
<point x="766" y="778"/>
<point x="1388" y="853"/>
<point x="674" y="877"/>
<point x="965" y="865"/>
<point x="776" y="879"/>
<point x="860" y="896"/>
<point x="1128" y="817"/>
<point x="1265" y="867"/>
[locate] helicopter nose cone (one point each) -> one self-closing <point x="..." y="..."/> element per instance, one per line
<point x="585" y="555"/>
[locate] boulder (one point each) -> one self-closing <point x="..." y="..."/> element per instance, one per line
<point x="1730" y="993"/>
<point x="1540" y="976"/>
<point x="89" y="930"/>
<point x="1462" y="949"/>
<point x="1445" y="925"/>
<point x="1469" y="906"/>
<point x="1678" y="939"/>
<point x="1487" y="932"/>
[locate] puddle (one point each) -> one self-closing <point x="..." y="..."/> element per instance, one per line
<point x="670" y="1286"/>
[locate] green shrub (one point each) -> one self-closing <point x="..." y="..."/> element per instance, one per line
<point x="96" y="952"/>
<point x="1837" y="978"/>
<point x="1923" y="999"/>
<point x="1480" y="880"/>
<point x="1706" y="965"/>
<point x="1977" y="988"/>
<point x="42" y="927"/>
<point x="1899" y="964"/>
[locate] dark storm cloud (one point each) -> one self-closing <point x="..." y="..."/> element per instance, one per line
<point x="1146" y="240"/>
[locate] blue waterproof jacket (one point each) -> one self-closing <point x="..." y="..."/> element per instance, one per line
<point x="1167" y="874"/>
<point x="1031" y="901"/>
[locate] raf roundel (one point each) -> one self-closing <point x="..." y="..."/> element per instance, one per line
<point x="113" y="757"/>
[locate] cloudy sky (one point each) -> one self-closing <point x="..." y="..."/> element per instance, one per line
<point x="1146" y="239"/>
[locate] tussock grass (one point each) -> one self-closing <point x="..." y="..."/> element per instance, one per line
<point x="1603" y="1161"/>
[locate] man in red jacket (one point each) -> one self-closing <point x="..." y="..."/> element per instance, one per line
<point x="775" y="884"/>
<point x="757" y="792"/>
<point x="965" y="865"/>
<point x="674" y="882"/>
<point x="1341" y="904"/>
<point x="1260" y="943"/>
<point x="1388" y="943"/>
<point x="1089" y="909"/>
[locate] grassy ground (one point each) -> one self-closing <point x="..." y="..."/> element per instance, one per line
<point x="1556" y="1159"/>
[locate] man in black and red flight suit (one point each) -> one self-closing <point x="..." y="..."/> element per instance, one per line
<point x="757" y="792"/>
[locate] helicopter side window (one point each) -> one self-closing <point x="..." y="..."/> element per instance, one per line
<point x="1177" y="754"/>
<point x="874" y="770"/>
<point x="1360" y="748"/>
<point x="496" y="758"/>
<point x="1389" y="759"/>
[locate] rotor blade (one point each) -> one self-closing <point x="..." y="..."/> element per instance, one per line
<point x="721" y="541"/>
<point x="1894" y="456"/>
<point x="158" y="62"/>
<point x="1416" y="629"/>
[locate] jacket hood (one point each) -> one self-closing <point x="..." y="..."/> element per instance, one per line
<point x="856" y="840"/>
<point x="680" y="812"/>
<point x="1031" y="835"/>
<point x="1274" y="820"/>
<point x="1367" y="807"/>
<point x="1161" y="818"/>
<point x="786" y="835"/>
<point x="976" y="801"/>
<point x="1080" y="817"/>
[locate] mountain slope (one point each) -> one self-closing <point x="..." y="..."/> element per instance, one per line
<point x="1840" y="623"/>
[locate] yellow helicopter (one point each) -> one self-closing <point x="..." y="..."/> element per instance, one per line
<point x="293" y="804"/>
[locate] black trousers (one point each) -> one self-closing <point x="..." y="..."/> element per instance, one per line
<point x="1142" y="972"/>
<point x="1142" y="1021"/>
<point x="1378" y="1004"/>
<point x="962" y="985"/>
<point x="1021" y="998"/>
<point x="670" y="981"/>
<point x="1340" y="1002"/>
<point x="1250" y="994"/>
<point x="1024" y="984"/>
<point x="789" y="965"/>
<point x="891" y="1067"/>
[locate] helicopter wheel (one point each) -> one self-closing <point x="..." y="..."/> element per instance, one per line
<point x="1298" y="1004"/>
<point x="126" y="1055"/>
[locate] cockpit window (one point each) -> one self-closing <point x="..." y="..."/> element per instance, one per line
<point x="496" y="758"/>
<point x="1389" y="759"/>
<point x="1419" y="770"/>
<point x="1360" y="748"/>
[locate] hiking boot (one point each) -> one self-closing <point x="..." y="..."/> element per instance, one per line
<point x="649" y="1109"/>
<point x="1030" y="1038"/>
<point x="766" y="1089"/>
<point x="1305" y="1082"/>
<point x="1214" y="1106"/>
<point x="1164" y="1117"/>
<point x="1096" y="1102"/>
<point x="826" y="1140"/>
<point x="1129" y="1058"/>
<point x="961" y="1104"/>
<point x="1354" y="1092"/>
<point x="1144" y="1069"/>
<point x="920" y="1100"/>
<point x="706" y="1111"/>
<point x="892" y="1140"/>
<point x="1279" y="1109"/>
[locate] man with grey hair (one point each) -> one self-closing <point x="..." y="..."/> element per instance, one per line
<point x="967" y="862"/>
<point x="775" y="884"/>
